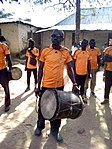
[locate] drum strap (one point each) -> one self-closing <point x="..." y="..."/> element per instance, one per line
<point x="36" y="104"/>
<point x="59" y="61"/>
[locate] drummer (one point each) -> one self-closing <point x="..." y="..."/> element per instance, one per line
<point x="4" y="74"/>
<point x="52" y="61"/>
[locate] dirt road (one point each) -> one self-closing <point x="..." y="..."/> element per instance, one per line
<point x="92" y="130"/>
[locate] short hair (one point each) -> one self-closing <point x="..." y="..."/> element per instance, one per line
<point x="92" y="41"/>
<point x="84" y="41"/>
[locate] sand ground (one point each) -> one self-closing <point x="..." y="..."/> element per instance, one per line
<point x="92" y="130"/>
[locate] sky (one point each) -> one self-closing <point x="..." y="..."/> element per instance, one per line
<point x="42" y="15"/>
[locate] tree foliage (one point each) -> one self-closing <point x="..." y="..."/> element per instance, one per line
<point x="65" y="4"/>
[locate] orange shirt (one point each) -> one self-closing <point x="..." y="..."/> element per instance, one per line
<point x="81" y="63"/>
<point x="94" y="53"/>
<point x="4" y="50"/>
<point x="54" y="61"/>
<point x="108" y="50"/>
<point x="35" y="51"/>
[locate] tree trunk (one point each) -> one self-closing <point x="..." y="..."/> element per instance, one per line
<point x="77" y="31"/>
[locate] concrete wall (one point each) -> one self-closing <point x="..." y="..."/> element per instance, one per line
<point x="17" y="35"/>
<point x="23" y="35"/>
<point x="100" y="36"/>
<point x="10" y="32"/>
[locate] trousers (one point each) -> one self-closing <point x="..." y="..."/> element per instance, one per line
<point x="29" y="75"/>
<point x="4" y="81"/>
<point x="80" y="79"/>
<point x="108" y="83"/>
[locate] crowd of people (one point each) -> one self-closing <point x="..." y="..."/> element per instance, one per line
<point x="82" y="63"/>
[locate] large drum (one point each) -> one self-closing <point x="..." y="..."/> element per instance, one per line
<point x="16" y="73"/>
<point x="56" y="104"/>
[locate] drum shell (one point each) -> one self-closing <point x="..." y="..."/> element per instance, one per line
<point x="16" y="73"/>
<point x="68" y="105"/>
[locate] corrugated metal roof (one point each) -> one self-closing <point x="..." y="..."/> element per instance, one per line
<point x="6" y="21"/>
<point x="89" y="27"/>
<point x="90" y="16"/>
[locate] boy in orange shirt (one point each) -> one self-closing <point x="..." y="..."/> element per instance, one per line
<point x="4" y="71"/>
<point x="82" y="66"/>
<point x="107" y="71"/>
<point x="95" y="63"/>
<point x="50" y="74"/>
<point x="31" y="52"/>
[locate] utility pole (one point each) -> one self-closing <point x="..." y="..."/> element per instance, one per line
<point x="77" y="31"/>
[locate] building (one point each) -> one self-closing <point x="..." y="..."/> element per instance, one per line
<point x="17" y="34"/>
<point x="95" y="23"/>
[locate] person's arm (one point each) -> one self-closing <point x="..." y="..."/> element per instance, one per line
<point x="9" y="62"/>
<point x="26" y="63"/>
<point x="89" y="69"/>
<point x="107" y="58"/>
<point x="72" y="78"/>
<point x="74" y="66"/>
<point x="40" y="75"/>
<point x="71" y="73"/>
<point x="33" y="55"/>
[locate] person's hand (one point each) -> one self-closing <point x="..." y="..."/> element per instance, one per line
<point x="37" y="92"/>
<point x="88" y="76"/>
<point x="25" y="69"/>
<point x="104" y="76"/>
<point x="75" y="89"/>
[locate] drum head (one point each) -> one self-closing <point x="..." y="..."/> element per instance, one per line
<point x="48" y="104"/>
<point x="16" y="73"/>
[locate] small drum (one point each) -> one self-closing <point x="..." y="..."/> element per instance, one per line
<point x="16" y="73"/>
<point x="56" y="104"/>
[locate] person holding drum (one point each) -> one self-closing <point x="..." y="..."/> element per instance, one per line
<point x="5" y="73"/>
<point x="50" y="75"/>
<point x="82" y="67"/>
<point x="32" y="55"/>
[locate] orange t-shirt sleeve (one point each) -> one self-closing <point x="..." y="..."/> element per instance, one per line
<point x="6" y="49"/>
<point x="99" y="53"/>
<point x="42" y="55"/>
<point x="76" y="53"/>
<point x="69" y="58"/>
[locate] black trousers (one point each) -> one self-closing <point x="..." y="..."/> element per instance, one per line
<point x="55" y="124"/>
<point x="4" y="81"/>
<point x="80" y="79"/>
<point x="29" y="75"/>
<point x="108" y="83"/>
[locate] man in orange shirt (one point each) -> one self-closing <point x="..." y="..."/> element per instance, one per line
<point x="95" y="64"/>
<point x="82" y="66"/>
<point x="107" y="71"/>
<point x="51" y="69"/>
<point x="31" y="52"/>
<point x="4" y="72"/>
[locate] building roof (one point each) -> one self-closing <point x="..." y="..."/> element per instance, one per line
<point x="91" y="19"/>
<point x="6" y="21"/>
<point x="90" y="16"/>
